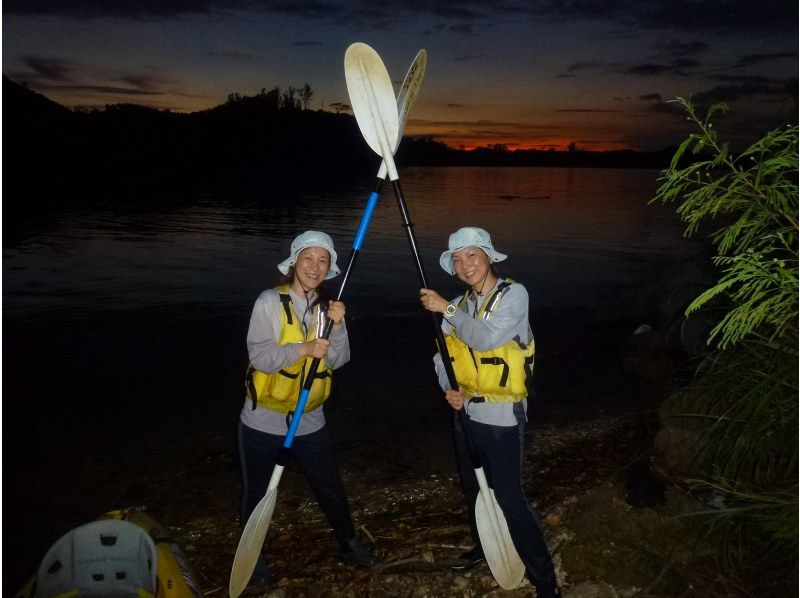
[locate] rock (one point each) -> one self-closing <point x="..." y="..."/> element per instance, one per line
<point x="648" y="355"/>
<point x="552" y="519"/>
<point x="682" y="436"/>
<point x="643" y="486"/>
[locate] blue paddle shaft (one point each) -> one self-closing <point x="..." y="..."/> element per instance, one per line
<point x="365" y="218"/>
<point x="298" y="411"/>
<point x="312" y="372"/>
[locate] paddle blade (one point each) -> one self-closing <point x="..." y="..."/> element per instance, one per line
<point x="501" y="555"/>
<point x="255" y="530"/>
<point x="409" y="92"/>
<point x="372" y="100"/>
<point x="406" y="99"/>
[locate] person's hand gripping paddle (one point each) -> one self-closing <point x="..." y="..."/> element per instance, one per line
<point x="372" y="100"/>
<point x="255" y="530"/>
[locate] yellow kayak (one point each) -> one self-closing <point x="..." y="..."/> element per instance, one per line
<point x="123" y="553"/>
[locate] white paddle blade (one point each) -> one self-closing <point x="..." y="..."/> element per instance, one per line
<point x="409" y="92"/>
<point x="372" y="100"/>
<point x="501" y="555"/>
<point x="406" y="99"/>
<point x="255" y="530"/>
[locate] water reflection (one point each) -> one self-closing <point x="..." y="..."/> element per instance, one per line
<point x="572" y="235"/>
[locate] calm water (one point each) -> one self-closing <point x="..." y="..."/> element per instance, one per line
<point x="574" y="236"/>
<point x="124" y="326"/>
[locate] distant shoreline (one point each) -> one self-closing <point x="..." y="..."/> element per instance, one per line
<point x="239" y="146"/>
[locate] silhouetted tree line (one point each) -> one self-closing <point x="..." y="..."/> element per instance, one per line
<point x="245" y="144"/>
<point x="426" y="151"/>
<point x="292" y="98"/>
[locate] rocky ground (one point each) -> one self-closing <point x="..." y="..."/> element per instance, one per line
<point x="614" y="529"/>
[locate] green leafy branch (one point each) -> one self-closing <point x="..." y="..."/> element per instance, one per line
<point x="754" y="194"/>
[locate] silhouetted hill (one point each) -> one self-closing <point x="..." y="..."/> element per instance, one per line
<point x="30" y="105"/>
<point x="248" y="144"/>
<point x="127" y="149"/>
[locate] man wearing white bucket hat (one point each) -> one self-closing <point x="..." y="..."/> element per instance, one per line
<point x="282" y="340"/>
<point x="489" y="339"/>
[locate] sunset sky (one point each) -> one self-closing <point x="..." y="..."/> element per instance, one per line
<point x="525" y="74"/>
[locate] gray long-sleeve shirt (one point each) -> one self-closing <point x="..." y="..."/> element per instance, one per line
<point x="268" y="356"/>
<point x="508" y="319"/>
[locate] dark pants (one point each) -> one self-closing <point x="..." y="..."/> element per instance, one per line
<point x="313" y="454"/>
<point x="500" y="449"/>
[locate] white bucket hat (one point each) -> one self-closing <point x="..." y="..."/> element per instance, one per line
<point x="469" y="237"/>
<point x="311" y="238"/>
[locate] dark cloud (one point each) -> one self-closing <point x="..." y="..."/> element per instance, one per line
<point x="752" y="59"/>
<point x="133" y="9"/>
<point x="649" y="69"/>
<point x="731" y="93"/>
<point x="577" y="67"/>
<point x="102" y="89"/>
<point x="235" y="56"/>
<point x="468" y="57"/>
<point x="679" y="48"/>
<point x="164" y="9"/>
<point x="749" y="79"/>
<point x="465" y="28"/>
<point x="465" y="10"/>
<point x="685" y="15"/>
<point x="308" y="10"/>
<point x="50" y="69"/>
<point x="675" y="67"/>
<point x="303" y="44"/>
<point x="685" y="63"/>
<point x="581" y="66"/>
<point x="143" y="82"/>
<point x="654" y="103"/>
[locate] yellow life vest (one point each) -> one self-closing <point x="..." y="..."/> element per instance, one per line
<point x="498" y="375"/>
<point x="280" y="390"/>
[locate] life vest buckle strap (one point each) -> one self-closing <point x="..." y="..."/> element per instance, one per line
<point x="498" y="361"/>
<point x="286" y="300"/>
<point x="288" y="375"/>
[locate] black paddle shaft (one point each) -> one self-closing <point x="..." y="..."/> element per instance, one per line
<point x="446" y="361"/>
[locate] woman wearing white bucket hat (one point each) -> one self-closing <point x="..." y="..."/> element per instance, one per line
<point x="491" y="344"/>
<point x="282" y="340"/>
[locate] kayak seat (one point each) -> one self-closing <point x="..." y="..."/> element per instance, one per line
<point x="108" y="557"/>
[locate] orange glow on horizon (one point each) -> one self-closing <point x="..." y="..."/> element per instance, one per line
<point x="555" y="143"/>
<point x="468" y="136"/>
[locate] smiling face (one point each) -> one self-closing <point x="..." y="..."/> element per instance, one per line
<point x="472" y="265"/>
<point x="311" y="268"/>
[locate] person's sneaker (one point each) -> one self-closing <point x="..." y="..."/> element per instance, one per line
<point x="469" y="560"/>
<point x="356" y="553"/>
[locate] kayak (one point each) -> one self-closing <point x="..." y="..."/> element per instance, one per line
<point x="122" y="553"/>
